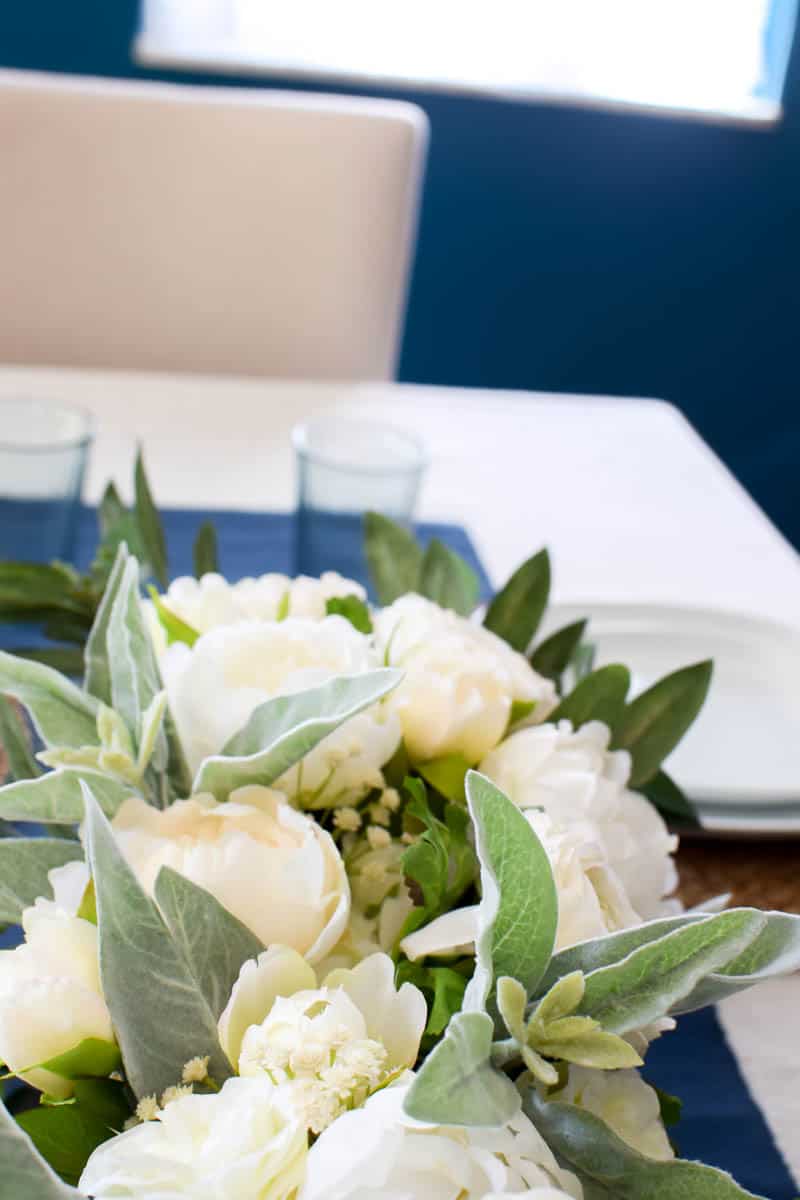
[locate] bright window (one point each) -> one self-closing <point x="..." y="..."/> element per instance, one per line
<point x="708" y="56"/>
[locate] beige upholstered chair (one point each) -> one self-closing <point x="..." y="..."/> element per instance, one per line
<point x="204" y="229"/>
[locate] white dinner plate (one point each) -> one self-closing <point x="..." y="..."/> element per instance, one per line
<point x="740" y="761"/>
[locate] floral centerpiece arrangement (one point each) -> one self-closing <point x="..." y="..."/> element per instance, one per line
<point x="340" y="902"/>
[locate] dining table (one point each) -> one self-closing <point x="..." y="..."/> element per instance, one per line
<point x="633" y="505"/>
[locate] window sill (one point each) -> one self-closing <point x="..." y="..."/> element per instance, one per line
<point x="233" y="59"/>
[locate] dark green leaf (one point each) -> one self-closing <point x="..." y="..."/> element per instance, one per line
<point x="603" y="1161"/>
<point x="39" y="587"/>
<point x="443" y="988"/>
<point x="516" y="611"/>
<point x="655" y="721"/>
<point x="110" y="511"/>
<point x="204" y="552"/>
<point x="670" y="1107"/>
<point x="598" y="697"/>
<point x="552" y="656"/>
<point x="393" y="556"/>
<point x="214" y="943"/>
<point x="441" y="865"/>
<point x="447" y="579"/>
<point x="67" y="660"/>
<point x="353" y="609"/>
<point x="667" y="797"/>
<point x="67" y="1134"/>
<point x="149" y="521"/>
<point x="69" y="627"/>
<point x="16" y="743"/>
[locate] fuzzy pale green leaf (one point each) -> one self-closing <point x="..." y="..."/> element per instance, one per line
<point x="160" y="1015"/>
<point x="648" y="983"/>
<point x="24" y="1173"/>
<point x="56" y="798"/>
<point x="14" y="741"/>
<point x="214" y="943"/>
<point x="457" y="1084"/>
<point x="97" y="679"/>
<point x="613" y="1170"/>
<point x="518" y="912"/>
<point x="24" y="867"/>
<point x="282" y="731"/>
<point x="62" y="714"/>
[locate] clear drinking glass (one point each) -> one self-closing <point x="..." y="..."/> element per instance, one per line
<point x="43" y="452"/>
<point x="346" y="467"/>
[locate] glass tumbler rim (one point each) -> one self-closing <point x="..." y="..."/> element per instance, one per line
<point x="304" y="450"/>
<point x="76" y="441"/>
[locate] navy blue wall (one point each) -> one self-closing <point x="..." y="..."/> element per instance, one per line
<point x="573" y="250"/>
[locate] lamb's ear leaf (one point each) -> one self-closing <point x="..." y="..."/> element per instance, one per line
<point x="24" y="866"/>
<point x="609" y="1167"/>
<point x="394" y="557"/>
<point x="282" y="731"/>
<point x="518" y="912"/>
<point x="139" y="958"/>
<point x="214" y="943"/>
<point x="62" y="714"/>
<point x="457" y="1084"/>
<point x="56" y="798"/>
<point x="25" y="1173"/>
<point x="516" y="611"/>
<point x="660" y="975"/>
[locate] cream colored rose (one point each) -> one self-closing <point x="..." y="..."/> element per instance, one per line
<point x="211" y="601"/>
<point x="274" y="868"/>
<point x="377" y="1151"/>
<point x="625" y="1102"/>
<point x="460" y="680"/>
<point x="244" y="1143"/>
<point x="330" y="1045"/>
<point x="50" y="994"/>
<point x="574" y="777"/>
<point x="214" y="686"/>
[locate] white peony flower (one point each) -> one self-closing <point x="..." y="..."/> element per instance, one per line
<point x="574" y="777"/>
<point x="211" y="601"/>
<point x="625" y="1102"/>
<point x="274" y="868"/>
<point x="214" y="686"/>
<point x="376" y="1151"/>
<point x="244" y="1143"/>
<point x="330" y="1046"/>
<point x="591" y="898"/>
<point x="460" y="682"/>
<point x="50" y="994"/>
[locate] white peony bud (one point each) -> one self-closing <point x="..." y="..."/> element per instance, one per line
<point x="377" y="1151"/>
<point x="460" y="680"/>
<point x="244" y="1143"/>
<point x="211" y="601"/>
<point x="50" y="994"/>
<point x="574" y="777"/>
<point x="274" y="868"/>
<point x="214" y="686"/>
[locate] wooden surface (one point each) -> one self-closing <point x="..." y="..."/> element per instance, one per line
<point x="760" y="874"/>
